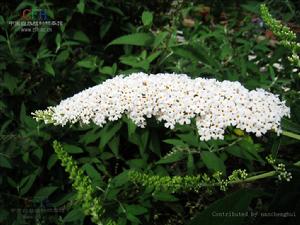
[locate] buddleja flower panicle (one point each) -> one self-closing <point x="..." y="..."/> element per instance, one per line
<point x="174" y="99"/>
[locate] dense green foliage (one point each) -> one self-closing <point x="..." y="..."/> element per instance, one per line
<point x="100" y="39"/>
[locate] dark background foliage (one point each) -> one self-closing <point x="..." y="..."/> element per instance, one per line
<point x="201" y="38"/>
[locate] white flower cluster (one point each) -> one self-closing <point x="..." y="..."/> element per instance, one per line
<point x="175" y="99"/>
<point x="282" y="173"/>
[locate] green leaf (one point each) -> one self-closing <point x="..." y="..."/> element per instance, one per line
<point x="82" y="37"/>
<point x="139" y="61"/>
<point x="70" y="43"/>
<point x="88" y="63"/>
<point x="44" y="193"/>
<point x="173" y="157"/>
<point x="110" y="70"/>
<point x="159" y="38"/>
<point x="185" y="53"/>
<point x="108" y="132"/>
<point x="131" y="127"/>
<point x="213" y="162"/>
<point x="2" y="21"/>
<point x="10" y="82"/>
<point x="11" y="182"/>
<point x="239" y="152"/>
<point x="90" y="136"/>
<point x="237" y="202"/>
<point x="137" y="164"/>
<point x="105" y="28"/>
<point x="38" y="153"/>
<point x="153" y="56"/>
<point x="43" y="53"/>
<point x="112" y="193"/>
<point x="143" y="138"/>
<point x="27" y="120"/>
<point x="49" y="69"/>
<point x="115" y="10"/>
<point x="41" y="35"/>
<point x="2" y="66"/>
<point x="23" y="5"/>
<point x="114" y="145"/>
<point x="138" y="39"/>
<point x="64" y="199"/>
<point x="147" y="18"/>
<point x="190" y="163"/>
<point x="136" y="209"/>
<point x="58" y="41"/>
<point x="92" y="172"/>
<point x="25" y="157"/>
<point x="2" y="39"/>
<point x="248" y="145"/>
<point x="121" y="179"/>
<point x="74" y="215"/>
<point x="81" y="6"/>
<point x="190" y="139"/>
<point x="252" y="7"/>
<point x="133" y="218"/>
<point x="2" y="106"/>
<point x="62" y="56"/>
<point x="52" y="160"/>
<point x="164" y="196"/>
<point x="72" y="149"/>
<point x="134" y="62"/>
<point x="175" y="142"/>
<point x="290" y="125"/>
<point x="26" y="183"/>
<point x="154" y="143"/>
<point x="5" y="162"/>
<point x="106" y="155"/>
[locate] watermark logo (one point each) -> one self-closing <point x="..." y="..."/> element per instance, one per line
<point x="35" y="20"/>
<point x="34" y="14"/>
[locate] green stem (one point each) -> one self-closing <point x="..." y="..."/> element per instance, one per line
<point x="291" y="134"/>
<point x="297" y="163"/>
<point x="256" y="177"/>
<point x="249" y="179"/>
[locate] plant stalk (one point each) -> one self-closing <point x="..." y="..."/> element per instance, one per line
<point x="291" y="134"/>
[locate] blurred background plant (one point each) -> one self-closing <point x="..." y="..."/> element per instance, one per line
<point x="100" y="39"/>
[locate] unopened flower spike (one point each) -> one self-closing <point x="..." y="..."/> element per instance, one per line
<point x="173" y="99"/>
